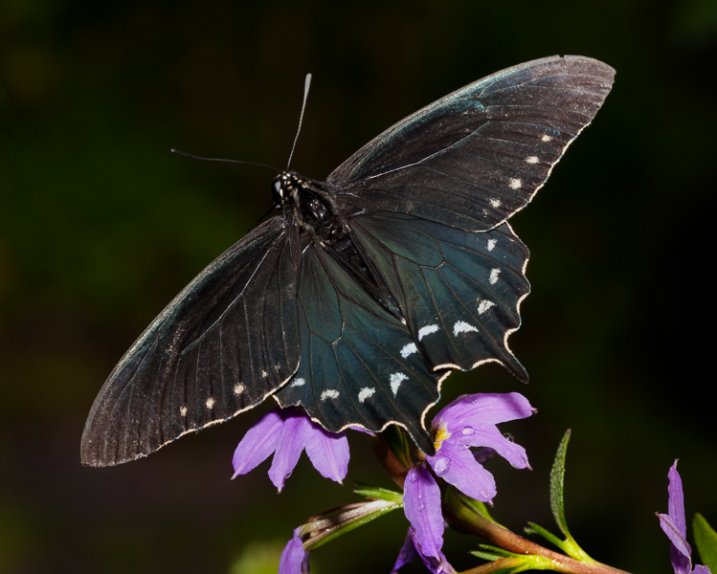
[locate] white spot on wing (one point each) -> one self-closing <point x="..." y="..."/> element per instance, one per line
<point x="264" y="374"/>
<point x="515" y="183"/>
<point x="396" y="379"/>
<point x="365" y="393"/>
<point x="209" y="403"/>
<point x="531" y="159"/>
<point x="495" y="202"/>
<point x="463" y="327"/>
<point x="546" y="138"/>
<point x="427" y="330"/>
<point x="484" y="305"/>
<point x="239" y="389"/>
<point x="494" y="273"/>
<point x="183" y="410"/>
<point x="408" y="350"/>
<point x="330" y="394"/>
<point x="300" y="382"/>
<point x="491" y="244"/>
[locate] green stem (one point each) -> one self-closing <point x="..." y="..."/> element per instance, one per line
<point x="500" y="565"/>
<point x="461" y="515"/>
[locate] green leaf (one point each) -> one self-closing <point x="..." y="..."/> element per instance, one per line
<point x="706" y="541"/>
<point x="557" y="485"/>
<point x="487" y="556"/>
<point x="534" y="528"/>
<point x="379" y="493"/>
<point x="557" y="504"/>
<point x="494" y="551"/>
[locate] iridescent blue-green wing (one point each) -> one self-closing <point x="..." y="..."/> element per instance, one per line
<point x="354" y="368"/>
<point x="459" y="292"/>
<point x="226" y="342"/>
<point x="473" y="158"/>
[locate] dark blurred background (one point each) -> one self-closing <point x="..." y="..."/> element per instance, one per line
<point x="100" y="226"/>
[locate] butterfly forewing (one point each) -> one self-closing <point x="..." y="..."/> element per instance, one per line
<point x="475" y="157"/>
<point x="221" y="346"/>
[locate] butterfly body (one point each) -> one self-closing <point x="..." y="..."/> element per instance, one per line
<point x="369" y="288"/>
<point x="309" y="205"/>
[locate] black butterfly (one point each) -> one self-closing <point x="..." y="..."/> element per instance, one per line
<point x="371" y="286"/>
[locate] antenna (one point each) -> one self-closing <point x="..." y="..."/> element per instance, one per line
<point x="307" y="85"/>
<point x="222" y="159"/>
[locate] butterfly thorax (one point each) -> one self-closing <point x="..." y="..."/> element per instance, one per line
<point x="308" y="204"/>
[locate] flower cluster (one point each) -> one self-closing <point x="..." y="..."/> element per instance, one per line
<point x="452" y="476"/>
<point x="468" y="422"/>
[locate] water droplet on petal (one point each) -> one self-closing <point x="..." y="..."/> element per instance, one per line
<point x="468" y="430"/>
<point x="441" y="465"/>
<point x="421" y="507"/>
<point x="413" y="476"/>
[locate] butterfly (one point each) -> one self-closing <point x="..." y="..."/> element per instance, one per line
<point x="370" y="287"/>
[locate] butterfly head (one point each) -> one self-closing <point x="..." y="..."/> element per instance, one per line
<point x="285" y="187"/>
<point x="307" y="203"/>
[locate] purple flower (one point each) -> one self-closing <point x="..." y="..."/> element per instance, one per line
<point x="469" y="421"/>
<point x="286" y="433"/>
<point x="409" y="553"/>
<point x="674" y="525"/>
<point x="294" y="558"/>
<point x="422" y="505"/>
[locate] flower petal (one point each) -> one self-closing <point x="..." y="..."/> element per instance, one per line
<point x="483" y="409"/>
<point x="294" y="558"/>
<point x="456" y="464"/>
<point x="678" y="541"/>
<point x="292" y="439"/>
<point x="701" y="569"/>
<point x="438" y="565"/>
<point x="422" y="505"/>
<point x="328" y="452"/>
<point x="406" y="555"/>
<point x="257" y="444"/>
<point x="674" y="525"/>
<point x="492" y="438"/>
<point x="676" y="499"/>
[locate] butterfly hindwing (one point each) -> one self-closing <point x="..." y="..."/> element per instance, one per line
<point x="352" y="369"/>
<point x="459" y="291"/>
<point x="227" y="341"/>
<point x="473" y="158"/>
